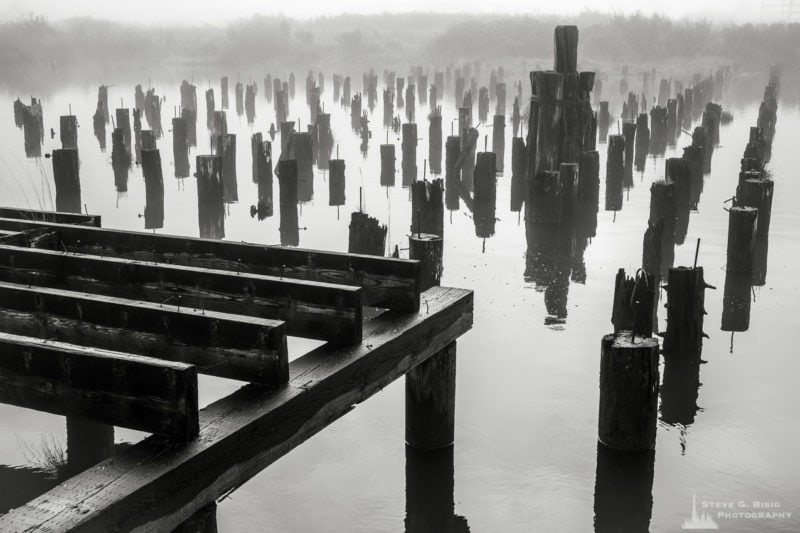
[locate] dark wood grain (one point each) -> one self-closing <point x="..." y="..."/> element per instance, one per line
<point x="106" y="386"/>
<point x="311" y="309"/>
<point x="155" y="486"/>
<point x="387" y="283"/>
<point x="220" y="344"/>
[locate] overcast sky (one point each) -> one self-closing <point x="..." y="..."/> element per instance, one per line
<point x="224" y="10"/>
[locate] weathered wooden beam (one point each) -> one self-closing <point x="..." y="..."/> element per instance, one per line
<point x="157" y="486"/>
<point x="50" y="216"/>
<point x="106" y="386"/>
<point x="219" y="344"/>
<point x="387" y="283"/>
<point x="311" y="309"/>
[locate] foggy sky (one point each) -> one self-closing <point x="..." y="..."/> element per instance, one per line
<point x="176" y="11"/>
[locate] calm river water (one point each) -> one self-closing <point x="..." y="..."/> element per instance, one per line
<point x="525" y="457"/>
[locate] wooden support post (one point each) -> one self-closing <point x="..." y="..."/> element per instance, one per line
<point x="634" y="303"/>
<point x="287" y="180"/>
<point x="67" y="180"/>
<point x="409" y="149"/>
<point x="387" y="165"/>
<point x="210" y="204"/>
<point x="427" y="209"/>
<point x="68" y="126"/>
<point x="226" y="150"/>
<point x="568" y="177"/>
<point x="367" y="235"/>
<point x="642" y="146"/>
<point x="485" y="201"/>
<point x="180" y="147"/>
<point x="499" y="140"/>
<point x="430" y="401"/>
<point x="428" y="250"/>
<point x="154" y="189"/>
<point x="435" y="139"/>
<point x="603" y="121"/>
<point x="757" y="193"/>
<point x="265" y="207"/>
<point x="453" y="176"/>
<point x="336" y="182"/>
<point x="663" y="207"/>
<point x="629" y="381"/>
<point x="742" y="225"/>
<point x="685" y="311"/>
<point x="546" y="204"/>
<point x="615" y="171"/>
<point x="148" y="140"/>
<point x="519" y="167"/>
<point x="88" y="443"/>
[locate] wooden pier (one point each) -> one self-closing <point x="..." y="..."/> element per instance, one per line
<point x="75" y="294"/>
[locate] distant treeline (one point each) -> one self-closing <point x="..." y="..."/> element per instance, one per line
<point x="386" y="41"/>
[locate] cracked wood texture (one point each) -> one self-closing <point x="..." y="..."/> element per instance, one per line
<point x="156" y="485"/>
<point x="387" y="283"/>
<point x="311" y="309"/>
<point x="220" y="344"/>
<point x="105" y="386"/>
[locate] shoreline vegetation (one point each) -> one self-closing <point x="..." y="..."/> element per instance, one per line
<point x="34" y="41"/>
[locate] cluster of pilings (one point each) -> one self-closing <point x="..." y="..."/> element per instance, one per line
<point x="749" y="217"/>
<point x="561" y="182"/>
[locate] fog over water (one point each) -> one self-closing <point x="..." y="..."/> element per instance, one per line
<point x="155" y="11"/>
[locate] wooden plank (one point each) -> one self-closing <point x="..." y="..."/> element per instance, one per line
<point x="220" y="344"/>
<point x="105" y="386"/>
<point x="387" y="283"/>
<point x="155" y="487"/>
<point x="50" y="216"/>
<point x="310" y="309"/>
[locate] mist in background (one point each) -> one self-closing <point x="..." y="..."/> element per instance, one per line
<point x="86" y="37"/>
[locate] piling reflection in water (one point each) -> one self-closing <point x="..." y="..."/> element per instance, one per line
<point x="680" y="390"/>
<point x="548" y="264"/>
<point x="430" y="505"/>
<point x="623" y="491"/>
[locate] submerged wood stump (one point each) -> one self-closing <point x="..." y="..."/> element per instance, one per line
<point x="685" y="312"/>
<point x="742" y="224"/>
<point x="629" y="379"/>
<point x="736" y="301"/>
<point x="367" y="235"/>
